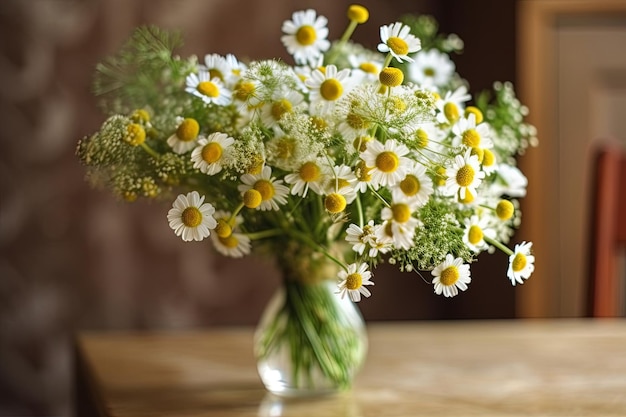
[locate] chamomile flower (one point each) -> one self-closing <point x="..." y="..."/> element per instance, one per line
<point x="464" y="175"/>
<point x="310" y="175"/>
<point x="185" y="137"/>
<point x="521" y="263"/>
<point x="327" y="87"/>
<point x="399" y="224"/>
<point x="470" y="134"/>
<point x="271" y="190"/>
<point x="283" y="102"/>
<point x="361" y="238"/>
<point x="452" y="105"/>
<point x="305" y="36"/>
<point x="208" y="155"/>
<point x="210" y="90"/>
<point x="191" y="218"/>
<point x="416" y="185"/>
<point x="353" y="281"/>
<point x="397" y="40"/>
<point x="341" y="180"/>
<point x="431" y="68"/>
<point x="475" y="231"/>
<point x="450" y="276"/>
<point x="219" y="67"/>
<point x="387" y="161"/>
<point x="233" y="244"/>
<point x="365" y="68"/>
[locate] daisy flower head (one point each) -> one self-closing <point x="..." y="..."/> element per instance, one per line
<point x="271" y="191"/>
<point x="342" y="180"/>
<point x="452" y="105"/>
<point x="210" y="90"/>
<point x="397" y="40"/>
<point x="416" y="186"/>
<point x="186" y="134"/>
<point x="387" y="161"/>
<point x="353" y="281"/>
<point x="521" y="263"/>
<point x="221" y="68"/>
<point x="232" y="243"/>
<point x="450" y="276"/>
<point x="208" y="155"/>
<point x="431" y="68"/>
<point x="470" y="134"/>
<point x="365" y="67"/>
<point x="363" y="237"/>
<point x="310" y="175"/>
<point x="399" y="224"/>
<point x="475" y="231"/>
<point x="191" y="218"/>
<point x="327" y="87"/>
<point x="464" y="175"/>
<point x="283" y="102"/>
<point x="305" y="36"/>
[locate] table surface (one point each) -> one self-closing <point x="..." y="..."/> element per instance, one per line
<point x="564" y="367"/>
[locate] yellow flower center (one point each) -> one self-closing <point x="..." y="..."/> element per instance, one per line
<point x="391" y="77"/>
<point x="449" y="276"/>
<point x="285" y="147"/>
<point x="476" y="112"/>
<point x="421" y="138"/>
<point x="306" y="35"/>
<point x="387" y="161"/>
<point x="309" y="171"/>
<point x="211" y="152"/>
<point x="519" y="262"/>
<point x="398" y="45"/>
<point x="335" y="203"/>
<point x="209" y="89"/>
<point x="244" y="90"/>
<point x="363" y="171"/>
<point x="471" y="138"/>
<point x="256" y="165"/>
<point x="354" y="281"/>
<point x="410" y="185"/>
<point x="215" y="73"/>
<point x="440" y="178"/>
<point x="489" y="158"/>
<point x="135" y="134"/>
<point x="191" y="217"/>
<point x="401" y="212"/>
<point x="230" y="242"/>
<point x="397" y="104"/>
<point x="188" y="130"/>
<point x="429" y="72"/>
<point x="475" y="234"/>
<point x="358" y="13"/>
<point x="318" y="123"/>
<point x="504" y="209"/>
<point x="223" y="229"/>
<point x="140" y="116"/>
<point x="356" y="122"/>
<point x="265" y="188"/>
<point x="467" y="199"/>
<point x="252" y="198"/>
<point x="360" y="143"/>
<point x="279" y="108"/>
<point x="341" y="183"/>
<point x="331" y="89"/>
<point x="368" y="67"/>
<point x="451" y="111"/>
<point x="465" y="176"/>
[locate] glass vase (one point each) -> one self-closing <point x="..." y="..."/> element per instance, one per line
<point x="309" y="340"/>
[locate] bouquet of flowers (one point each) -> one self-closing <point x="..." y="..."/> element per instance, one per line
<point x="350" y="156"/>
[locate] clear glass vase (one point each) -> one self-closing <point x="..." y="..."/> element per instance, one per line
<point x="309" y="341"/>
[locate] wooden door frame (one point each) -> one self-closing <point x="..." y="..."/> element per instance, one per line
<point x="537" y="21"/>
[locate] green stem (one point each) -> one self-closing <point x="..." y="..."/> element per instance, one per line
<point x="150" y="151"/>
<point x="349" y="31"/>
<point x="498" y="245"/>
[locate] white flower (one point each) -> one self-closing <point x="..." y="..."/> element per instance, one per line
<point x="464" y="175"/>
<point x="416" y="186"/>
<point x="327" y="88"/>
<point x="226" y="70"/>
<point x="210" y="90"/>
<point x="450" y="276"/>
<point x="305" y="36"/>
<point x="399" y="224"/>
<point x="470" y="134"/>
<point x="365" y="67"/>
<point x="310" y="175"/>
<point x="388" y="162"/>
<point x="283" y="102"/>
<point x="475" y="231"/>
<point x="452" y="105"/>
<point x="431" y="68"/>
<point x="511" y="181"/>
<point x="368" y="236"/>
<point x="272" y="191"/>
<point x="342" y="180"/>
<point x="207" y="156"/>
<point x="397" y="40"/>
<point x="235" y="244"/>
<point x="353" y="281"/>
<point x="521" y="263"/>
<point x="190" y="218"/>
<point x="185" y="136"/>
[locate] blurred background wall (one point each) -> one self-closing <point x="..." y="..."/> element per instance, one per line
<point x="74" y="258"/>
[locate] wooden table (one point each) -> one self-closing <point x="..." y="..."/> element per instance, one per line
<point x="566" y="367"/>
